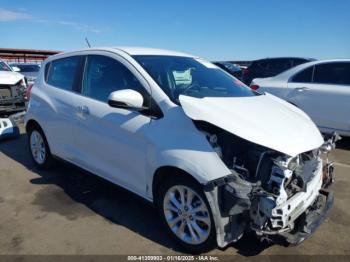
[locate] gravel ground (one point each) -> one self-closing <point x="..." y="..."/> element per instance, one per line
<point x="68" y="211"/>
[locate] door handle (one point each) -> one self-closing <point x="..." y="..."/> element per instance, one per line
<point x="302" y="89"/>
<point x="83" y="110"/>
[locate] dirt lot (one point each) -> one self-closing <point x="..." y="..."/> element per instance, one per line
<point x="67" y="211"/>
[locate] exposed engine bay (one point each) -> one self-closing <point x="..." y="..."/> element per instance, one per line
<point x="281" y="198"/>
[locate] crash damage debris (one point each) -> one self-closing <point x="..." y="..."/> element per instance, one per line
<point x="8" y="129"/>
<point x="282" y="199"/>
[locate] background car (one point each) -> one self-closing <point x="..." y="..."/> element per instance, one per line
<point x="230" y="68"/>
<point x="30" y="71"/>
<point x="320" y="88"/>
<point x="268" y="67"/>
<point x="12" y="90"/>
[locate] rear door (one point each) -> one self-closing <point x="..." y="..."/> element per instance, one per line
<point x="112" y="141"/>
<point x="326" y="97"/>
<point x="58" y="104"/>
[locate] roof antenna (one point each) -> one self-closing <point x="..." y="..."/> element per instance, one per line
<point x="87" y="42"/>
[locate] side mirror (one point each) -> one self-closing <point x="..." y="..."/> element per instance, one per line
<point x="127" y="98"/>
<point x="15" y="69"/>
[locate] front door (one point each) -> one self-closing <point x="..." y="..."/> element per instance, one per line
<point x="112" y="141"/>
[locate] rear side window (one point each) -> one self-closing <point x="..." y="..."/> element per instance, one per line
<point x="332" y="73"/>
<point x="305" y="76"/>
<point x="63" y="72"/>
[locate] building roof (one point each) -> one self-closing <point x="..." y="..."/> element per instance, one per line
<point x="27" y="51"/>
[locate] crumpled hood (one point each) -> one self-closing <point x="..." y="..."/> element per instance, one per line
<point x="9" y="77"/>
<point x="265" y="120"/>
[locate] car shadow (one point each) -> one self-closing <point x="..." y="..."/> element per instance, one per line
<point x="103" y="198"/>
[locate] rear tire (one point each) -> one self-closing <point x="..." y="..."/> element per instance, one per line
<point x="186" y="214"/>
<point x="39" y="148"/>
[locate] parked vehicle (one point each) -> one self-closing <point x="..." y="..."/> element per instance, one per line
<point x="269" y="67"/>
<point x="12" y="89"/>
<point x="320" y="88"/>
<point x="30" y="71"/>
<point x="215" y="157"/>
<point x="230" y="68"/>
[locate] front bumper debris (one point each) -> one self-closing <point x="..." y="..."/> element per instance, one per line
<point x="232" y="203"/>
<point x="12" y="98"/>
<point x="309" y="221"/>
<point x="12" y="105"/>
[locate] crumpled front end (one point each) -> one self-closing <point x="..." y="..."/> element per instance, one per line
<point x="12" y="97"/>
<point x="282" y="199"/>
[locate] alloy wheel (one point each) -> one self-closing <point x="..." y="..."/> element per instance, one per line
<point x="37" y="147"/>
<point x="187" y="214"/>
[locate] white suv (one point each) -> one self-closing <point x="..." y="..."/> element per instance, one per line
<point x="216" y="158"/>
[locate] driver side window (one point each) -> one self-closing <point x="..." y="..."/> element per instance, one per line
<point x="104" y="75"/>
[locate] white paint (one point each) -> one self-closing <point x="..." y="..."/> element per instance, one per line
<point x="10" y="77"/>
<point x="264" y="120"/>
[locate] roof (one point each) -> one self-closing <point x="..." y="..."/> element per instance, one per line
<point x="284" y="57"/>
<point x="130" y="51"/>
<point x="293" y="70"/>
<point x="151" y="51"/>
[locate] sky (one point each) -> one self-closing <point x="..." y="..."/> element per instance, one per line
<point x="216" y="30"/>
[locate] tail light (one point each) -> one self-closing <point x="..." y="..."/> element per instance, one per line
<point x="254" y="87"/>
<point x="28" y="91"/>
<point x="245" y="71"/>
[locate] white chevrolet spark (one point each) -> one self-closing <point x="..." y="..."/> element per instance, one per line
<point x="216" y="158"/>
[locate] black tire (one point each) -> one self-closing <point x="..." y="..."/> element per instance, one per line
<point x="177" y="179"/>
<point x="48" y="160"/>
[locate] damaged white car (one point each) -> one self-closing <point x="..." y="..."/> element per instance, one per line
<point x="216" y="158"/>
<point x="12" y="90"/>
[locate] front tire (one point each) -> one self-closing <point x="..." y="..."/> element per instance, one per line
<point x="186" y="215"/>
<point x="39" y="148"/>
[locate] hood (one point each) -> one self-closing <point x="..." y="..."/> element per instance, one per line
<point x="9" y="77"/>
<point x="265" y="120"/>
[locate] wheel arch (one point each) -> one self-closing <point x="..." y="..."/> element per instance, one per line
<point x="32" y="123"/>
<point x="163" y="172"/>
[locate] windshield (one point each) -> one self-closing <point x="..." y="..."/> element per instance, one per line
<point x="4" y="67"/>
<point x="192" y="77"/>
<point x="28" y="68"/>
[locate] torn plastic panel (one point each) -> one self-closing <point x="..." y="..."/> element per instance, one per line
<point x="285" y="209"/>
<point x="8" y="129"/>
